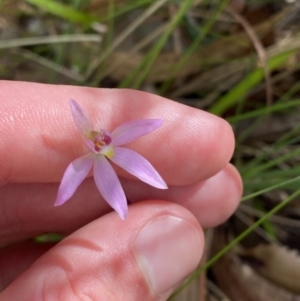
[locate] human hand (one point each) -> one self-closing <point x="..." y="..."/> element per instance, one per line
<point x="103" y="257"/>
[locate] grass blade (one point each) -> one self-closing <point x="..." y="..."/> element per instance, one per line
<point x="242" y="88"/>
<point x="63" y="11"/>
<point x="236" y="241"/>
<point x="138" y="75"/>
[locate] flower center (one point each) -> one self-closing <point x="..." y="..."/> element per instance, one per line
<point x="100" y="139"/>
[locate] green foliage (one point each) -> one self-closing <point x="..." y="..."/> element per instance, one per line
<point x="252" y="80"/>
<point x="236" y="241"/>
<point x="138" y="75"/>
<point x="203" y="31"/>
<point x="265" y="167"/>
<point x="63" y="11"/>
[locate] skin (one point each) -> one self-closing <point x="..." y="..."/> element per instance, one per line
<point x="191" y="152"/>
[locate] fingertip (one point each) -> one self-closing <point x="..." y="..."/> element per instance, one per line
<point x="168" y="248"/>
<point x="219" y="197"/>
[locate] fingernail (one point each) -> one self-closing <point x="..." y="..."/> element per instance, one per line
<point x="167" y="249"/>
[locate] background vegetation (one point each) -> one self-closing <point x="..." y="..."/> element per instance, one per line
<point x="237" y="59"/>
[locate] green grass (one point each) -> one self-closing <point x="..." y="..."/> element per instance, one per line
<point x="138" y="75"/>
<point x="265" y="164"/>
<point x="235" y="241"/>
<point x="251" y="81"/>
<point x="64" y="11"/>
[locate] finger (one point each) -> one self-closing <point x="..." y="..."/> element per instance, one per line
<point x="39" y="138"/>
<point x="211" y="201"/>
<point x="17" y="258"/>
<point x="145" y="258"/>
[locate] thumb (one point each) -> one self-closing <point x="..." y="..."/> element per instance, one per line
<point x="142" y="258"/>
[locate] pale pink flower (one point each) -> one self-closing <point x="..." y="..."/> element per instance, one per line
<point x="103" y="146"/>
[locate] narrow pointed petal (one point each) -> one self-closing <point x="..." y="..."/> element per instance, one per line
<point x="134" y="129"/>
<point x="81" y="119"/>
<point x="110" y="186"/>
<point x="138" y="166"/>
<point x="74" y="175"/>
<point x="90" y="145"/>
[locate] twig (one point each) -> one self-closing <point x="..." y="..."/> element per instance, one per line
<point x="148" y="39"/>
<point x="275" y="218"/>
<point x="176" y="34"/>
<point x="261" y="52"/>
<point x="220" y="295"/>
<point x="50" y="40"/>
<point x="140" y="45"/>
<point x="123" y="35"/>
<point x="248" y="222"/>
<point x="49" y="64"/>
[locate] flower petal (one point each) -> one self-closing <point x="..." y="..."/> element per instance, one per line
<point x="81" y="119"/>
<point x="138" y="166"/>
<point x="73" y="177"/>
<point x="109" y="186"/>
<point x="90" y="145"/>
<point x="134" y="129"/>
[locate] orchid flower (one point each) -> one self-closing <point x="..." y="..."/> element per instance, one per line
<point x="103" y="146"/>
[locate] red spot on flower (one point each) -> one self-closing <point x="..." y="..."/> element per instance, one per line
<point x="100" y="140"/>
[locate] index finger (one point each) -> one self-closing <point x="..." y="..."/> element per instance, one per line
<point x="39" y="138"/>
